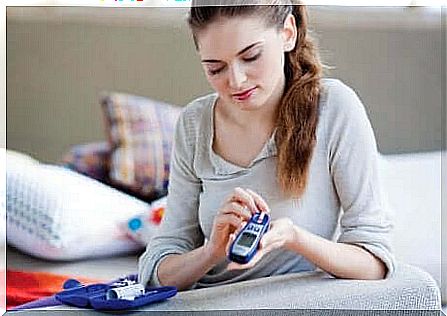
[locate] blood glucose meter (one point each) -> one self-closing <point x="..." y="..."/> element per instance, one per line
<point x="247" y="241"/>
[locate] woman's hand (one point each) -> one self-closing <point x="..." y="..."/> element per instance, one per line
<point x="282" y="234"/>
<point x="237" y="209"/>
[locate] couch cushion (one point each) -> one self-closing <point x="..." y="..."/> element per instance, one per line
<point x="91" y="159"/>
<point x="140" y="133"/>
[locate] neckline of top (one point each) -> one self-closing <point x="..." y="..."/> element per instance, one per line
<point x="225" y="167"/>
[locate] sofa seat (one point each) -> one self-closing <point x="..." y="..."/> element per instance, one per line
<point x="409" y="289"/>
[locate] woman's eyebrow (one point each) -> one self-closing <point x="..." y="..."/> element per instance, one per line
<point x="239" y="53"/>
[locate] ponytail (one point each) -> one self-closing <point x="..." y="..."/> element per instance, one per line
<point x="298" y="112"/>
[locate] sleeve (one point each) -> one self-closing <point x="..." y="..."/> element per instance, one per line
<point x="179" y="231"/>
<point x="353" y="163"/>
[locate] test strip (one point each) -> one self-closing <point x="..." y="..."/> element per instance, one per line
<point x="125" y="292"/>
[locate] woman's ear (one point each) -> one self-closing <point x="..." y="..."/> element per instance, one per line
<point x="289" y="33"/>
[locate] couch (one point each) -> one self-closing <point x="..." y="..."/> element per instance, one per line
<point x="412" y="185"/>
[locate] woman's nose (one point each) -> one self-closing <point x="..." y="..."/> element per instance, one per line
<point x="237" y="78"/>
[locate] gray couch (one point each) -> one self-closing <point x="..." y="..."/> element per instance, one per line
<point x="411" y="182"/>
<point x="410" y="291"/>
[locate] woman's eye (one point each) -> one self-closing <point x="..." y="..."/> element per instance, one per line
<point x="252" y="58"/>
<point x="213" y="72"/>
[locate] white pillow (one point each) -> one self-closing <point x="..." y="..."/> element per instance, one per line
<point x="55" y="213"/>
<point x="2" y="197"/>
<point x="142" y="227"/>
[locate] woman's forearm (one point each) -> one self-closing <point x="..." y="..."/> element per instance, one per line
<point x="339" y="259"/>
<point x="184" y="270"/>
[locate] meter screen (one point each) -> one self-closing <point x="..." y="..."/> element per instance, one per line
<point x="246" y="239"/>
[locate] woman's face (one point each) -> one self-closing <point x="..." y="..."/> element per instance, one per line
<point x="244" y="61"/>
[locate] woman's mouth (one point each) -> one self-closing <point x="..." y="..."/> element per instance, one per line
<point x="244" y="95"/>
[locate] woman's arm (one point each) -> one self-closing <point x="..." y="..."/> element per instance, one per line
<point x="364" y="246"/>
<point x="342" y="260"/>
<point x="182" y="271"/>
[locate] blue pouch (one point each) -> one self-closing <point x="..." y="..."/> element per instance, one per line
<point x="95" y="296"/>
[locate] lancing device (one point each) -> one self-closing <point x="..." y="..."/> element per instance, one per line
<point x="128" y="292"/>
<point x="247" y="241"/>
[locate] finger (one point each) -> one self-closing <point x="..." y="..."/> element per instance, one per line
<point x="250" y="264"/>
<point x="268" y="237"/>
<point x="234" y="266"/>
<point x="242" y="196"/>
<point x="238" y="266"/>
<point x="236" y="208"/>
<point x="229" y="219"/>
<point x="258" y="256"/>
<point x="272" y="247"/>
<point x="230" y="242"/>
<point x="260" y="202"/>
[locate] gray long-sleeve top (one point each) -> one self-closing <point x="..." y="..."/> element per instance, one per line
<point x="343" y="185"/>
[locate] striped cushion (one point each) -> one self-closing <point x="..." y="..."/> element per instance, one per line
<point x="140" y="132"/>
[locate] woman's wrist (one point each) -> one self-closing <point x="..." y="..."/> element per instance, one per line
<point x="211" y="255"/>
<point x="296" y="240"/>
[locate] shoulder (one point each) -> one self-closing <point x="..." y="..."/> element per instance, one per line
<point x="195" y="117"/>
<point x="339" y="102"/>
<point x="336" y="94"/>
<point x="195" y="110"/>
<point x="345" y="119"/>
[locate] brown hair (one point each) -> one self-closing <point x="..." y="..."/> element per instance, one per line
<point x="297" y="118"/>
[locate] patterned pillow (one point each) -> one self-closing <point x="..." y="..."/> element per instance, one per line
<point x="59" y="214"/>
<point x="91" y="159"/>
<point x="140" y="132"/>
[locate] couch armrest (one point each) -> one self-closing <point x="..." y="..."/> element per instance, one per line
<point x="409" y="289"/>
<point x="91" y="159"/>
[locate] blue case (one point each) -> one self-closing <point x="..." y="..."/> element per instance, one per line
<point x="252" y="225"/>
<point x="94" y="296"/>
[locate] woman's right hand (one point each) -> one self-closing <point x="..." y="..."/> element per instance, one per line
<point x="236" y="210"/>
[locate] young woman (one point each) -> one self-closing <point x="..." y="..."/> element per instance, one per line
<point x="275" y="136"/>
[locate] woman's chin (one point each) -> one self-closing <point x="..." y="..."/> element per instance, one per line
<point x="247" y="105"/>
<point x="250" y="104"/>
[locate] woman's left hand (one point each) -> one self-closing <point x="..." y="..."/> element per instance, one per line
<point x="282" y="234"/>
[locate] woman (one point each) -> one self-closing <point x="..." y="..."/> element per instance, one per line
<point x="276" y="137"/>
